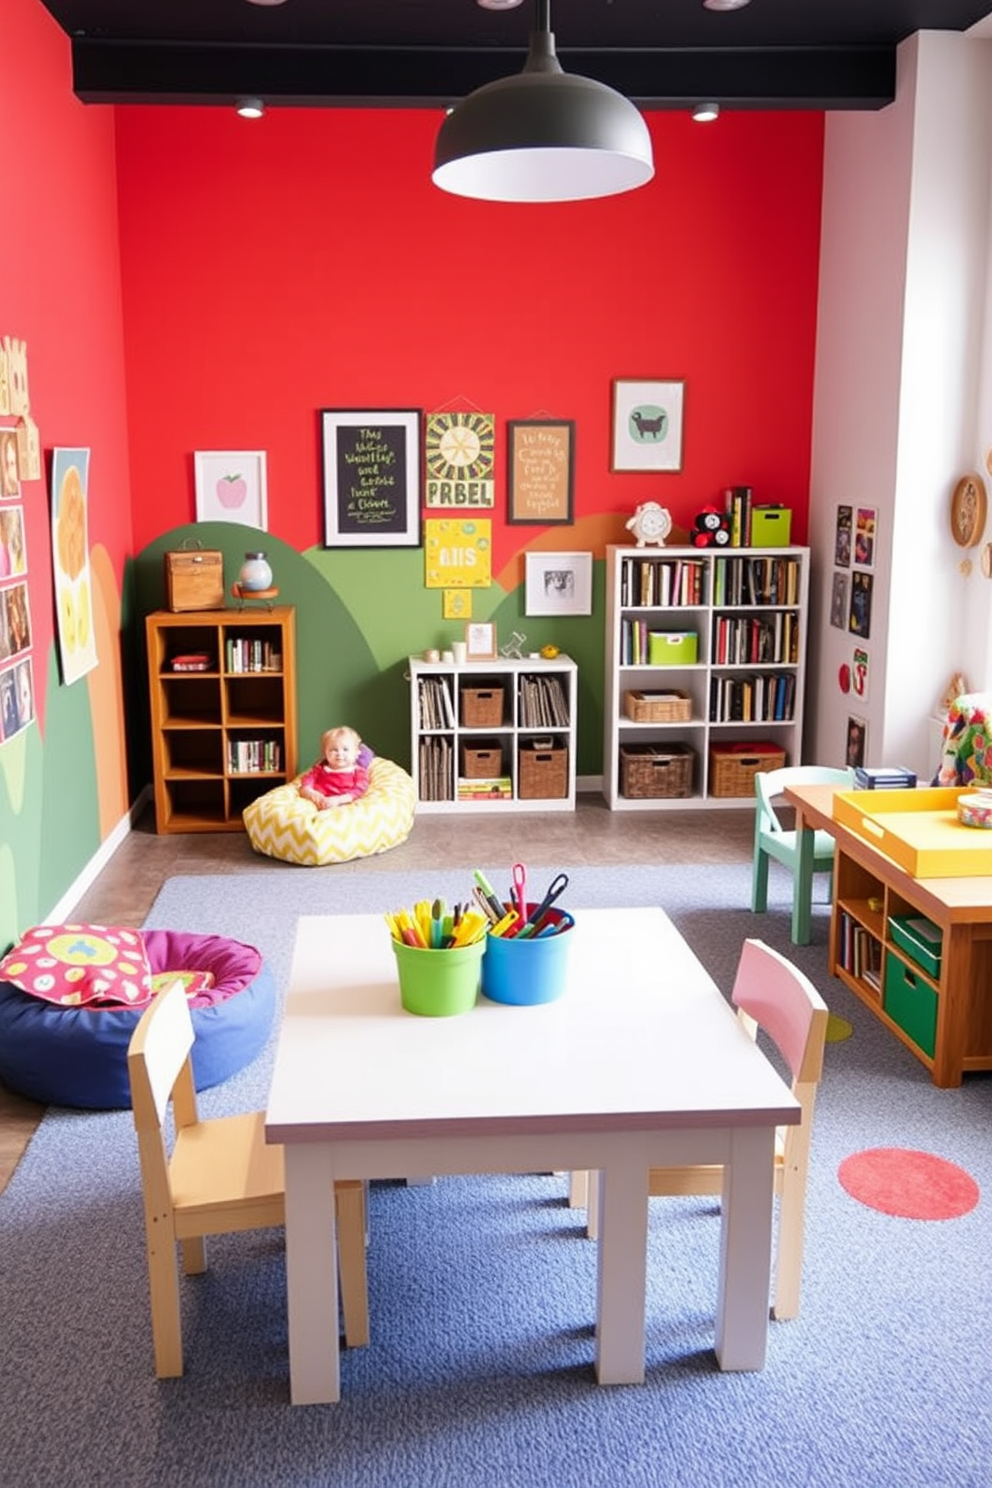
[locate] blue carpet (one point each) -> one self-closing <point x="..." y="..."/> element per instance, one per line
<point x="483" y="1289"/>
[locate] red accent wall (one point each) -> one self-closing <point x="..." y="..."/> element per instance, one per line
<point x="305" y="261"/>
<point x="60" y="290"/>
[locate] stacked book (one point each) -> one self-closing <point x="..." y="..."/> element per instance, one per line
<point x="884" y="777"/>
<point x="496" y="788"/>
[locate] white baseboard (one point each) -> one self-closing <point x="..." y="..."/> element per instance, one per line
<point x="588" y="785"/>
<point x="98" y="862"/>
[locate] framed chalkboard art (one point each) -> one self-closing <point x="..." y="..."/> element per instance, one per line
<point x="541" y="471"/>
<point x="371" y="461"/>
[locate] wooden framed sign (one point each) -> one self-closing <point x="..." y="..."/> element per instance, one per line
<point x="371" y="477"/>
<point x="542" y="471"/>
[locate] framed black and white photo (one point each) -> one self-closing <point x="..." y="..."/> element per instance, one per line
<point x="558" y="584"/>
<point x="371" y="461"/>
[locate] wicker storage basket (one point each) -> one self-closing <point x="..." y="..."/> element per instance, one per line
<point x="542" y="771"/>
<point x="482" y="760"/>
<point x="658" y="707"/>
<point x="481" y="707"/>
<point x="734" y="766"/>
<point x="650" y="771"/>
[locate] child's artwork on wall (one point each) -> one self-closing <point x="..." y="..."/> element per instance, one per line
<point x="857" y="741"/>
<point x="842" y="537"/>
<point x="860" y="617"/>
<point x="838" y="601"/>
<point x="459" y="451"/>
<point x="71" y="563"/>
<point x="864" y="537"/>
<point x="458" y="553"/>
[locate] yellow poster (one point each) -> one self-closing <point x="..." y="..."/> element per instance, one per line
<point x="458" y="553"/>
<point x="456" y="604"/>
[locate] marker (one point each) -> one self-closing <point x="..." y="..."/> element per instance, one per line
<point x="489" y="892"/>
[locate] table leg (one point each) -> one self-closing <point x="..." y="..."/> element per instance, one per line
<point x="746" y="1249"/>
<point x="622" y="1281"/>
<point x="311" y="1277"/>
<point x="802" y="889"/>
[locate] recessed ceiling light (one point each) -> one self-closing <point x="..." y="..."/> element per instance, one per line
<point x="725" y="4"/>
<point x="266" y="2"/>
<point x="705" y="113"/>
<point x="250" y="108"/>
<point x="500" y="4"/>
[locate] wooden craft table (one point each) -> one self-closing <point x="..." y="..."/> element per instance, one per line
<point x="868" y="888"/>
<point x="640" y="1064"/>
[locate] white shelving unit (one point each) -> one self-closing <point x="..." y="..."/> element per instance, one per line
<point x="505" y="720"/>
<point x="748" y="608"/>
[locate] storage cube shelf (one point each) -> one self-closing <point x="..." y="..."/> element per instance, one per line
<point x="493" y="735"/>
<point x="222" y="692"/>
<point x="720" y="635"/>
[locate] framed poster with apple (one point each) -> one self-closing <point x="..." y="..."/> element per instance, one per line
<point x="230" y="487"/>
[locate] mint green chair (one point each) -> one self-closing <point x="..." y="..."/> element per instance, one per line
<point x="804" y="853"/>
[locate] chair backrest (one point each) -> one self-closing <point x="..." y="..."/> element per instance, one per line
<point x="158" y="1060"/>
<point x="783" y="1001"/>
<point x="771" y="783"/>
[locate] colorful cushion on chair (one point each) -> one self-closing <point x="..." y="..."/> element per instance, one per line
<point x="75" y="965"/>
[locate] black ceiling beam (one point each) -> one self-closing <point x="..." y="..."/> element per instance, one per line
<point x="313" y="76"/>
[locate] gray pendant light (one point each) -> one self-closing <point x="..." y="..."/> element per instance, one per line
<point x="543" y="136"/>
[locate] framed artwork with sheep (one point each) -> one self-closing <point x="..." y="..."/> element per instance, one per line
<point x="647" y="424"/>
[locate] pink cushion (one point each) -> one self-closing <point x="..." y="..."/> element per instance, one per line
<point x="81" y="965"/>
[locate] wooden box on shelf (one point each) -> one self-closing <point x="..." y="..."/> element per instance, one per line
<point x="542" y="770"/>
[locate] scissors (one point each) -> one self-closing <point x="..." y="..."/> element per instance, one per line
<point x="558" y="886"/>
<point x="519" y="891"/>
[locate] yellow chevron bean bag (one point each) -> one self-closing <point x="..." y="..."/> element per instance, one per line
<point x="282" y="825"/>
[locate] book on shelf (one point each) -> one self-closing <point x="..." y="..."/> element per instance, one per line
<point x="495" y="788"/>
<point x="193" y="661"/>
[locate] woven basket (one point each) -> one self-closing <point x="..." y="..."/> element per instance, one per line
<point x="542" y="771"/>
<point x="482" y="707"/>
<point x="734" y="766"/>
<point x="658" y="707"/>
<point x="648" y="771"/>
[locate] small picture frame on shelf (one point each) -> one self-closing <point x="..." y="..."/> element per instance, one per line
<point x="480" y="641"/>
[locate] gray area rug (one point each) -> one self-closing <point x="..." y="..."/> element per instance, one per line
<point x="483" y="1289"/>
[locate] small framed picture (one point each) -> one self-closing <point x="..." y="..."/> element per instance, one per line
<point x="230" y="487"/>
<point x="857" y="741"/>
<point x="541" y="474"/>
<point x="647" y="425"/>
<point x="558" y="584"/>
<point x="838" y="600"/>
<point x="480" y="640"/>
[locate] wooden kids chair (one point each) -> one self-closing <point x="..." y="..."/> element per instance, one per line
<point x="221" y="1177"/>
<point x="772" y="994"/>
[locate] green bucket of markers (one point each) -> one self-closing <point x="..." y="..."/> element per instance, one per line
<point x="436" y="983"/>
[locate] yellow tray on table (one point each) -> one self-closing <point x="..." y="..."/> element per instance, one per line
<point x="918" y="829"/>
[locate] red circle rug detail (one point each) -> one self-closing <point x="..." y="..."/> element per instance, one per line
<point x="908" y="1184"/>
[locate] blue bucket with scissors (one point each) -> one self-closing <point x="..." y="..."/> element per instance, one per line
<point x="532" y="966"/>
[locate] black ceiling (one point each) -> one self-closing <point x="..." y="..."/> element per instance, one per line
<point x="660" y="53"/>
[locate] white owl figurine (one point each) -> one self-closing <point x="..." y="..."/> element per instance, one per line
<point x="651" y="523"/>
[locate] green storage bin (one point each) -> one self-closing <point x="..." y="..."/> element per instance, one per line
<point x="920" y="938"/>
<point x="673" y="647"/>
<point x="910" y="1002"/>
<point x="771" y="526"/>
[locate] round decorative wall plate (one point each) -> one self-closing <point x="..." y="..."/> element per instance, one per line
<point x="969" y="506"/>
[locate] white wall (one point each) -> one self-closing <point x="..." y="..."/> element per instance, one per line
<point x="902" y="325"/>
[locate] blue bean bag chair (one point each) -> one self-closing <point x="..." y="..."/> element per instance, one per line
<point x="74" y="1053"/>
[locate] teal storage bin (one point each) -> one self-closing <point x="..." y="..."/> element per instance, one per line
<point x="920" y="938"/>
<point x="673" y="647"/>
<point x="910" y="1002"/>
